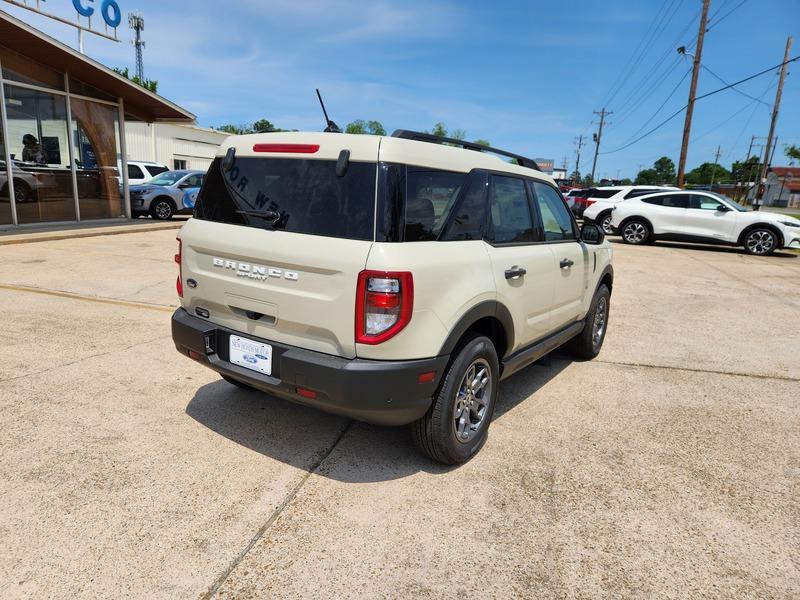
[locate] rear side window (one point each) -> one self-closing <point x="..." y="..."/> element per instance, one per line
<point x="595" y="193"/>
<point x="155" y="170"/>
<point x="510" y="221"/>
<point x="636" y="193"/>
<point x="669" y="201"/>
<point x="556" y="219"/>
<point x="135" y="172"/>
<point x="430" y="195"/>
<point x="296" y="195"/>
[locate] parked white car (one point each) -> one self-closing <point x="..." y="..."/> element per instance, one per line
<point x="141" y="171"/>
<point x="704" y="217"/>
<point x="601" y="200"/>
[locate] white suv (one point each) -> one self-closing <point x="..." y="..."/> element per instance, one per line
<point x="390" y="279"/>
<point x="704" y="217"/>
<point x="601" y="200"/>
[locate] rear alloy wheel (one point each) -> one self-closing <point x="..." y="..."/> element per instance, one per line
<point x="605" y="223"/>
<point x="588" y="343"/>
<point x="161" y="210"/>
<point x="635" y="232"/>
<point x="760" y="242"/>
<point x="456" y="425"/>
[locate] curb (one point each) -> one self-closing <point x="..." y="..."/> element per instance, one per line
<point x="27" y="238"/>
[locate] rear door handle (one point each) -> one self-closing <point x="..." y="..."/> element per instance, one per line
<point x="566" y="263"/>
<point x="515" y="272"/>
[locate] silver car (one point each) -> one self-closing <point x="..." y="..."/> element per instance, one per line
<point x="166" y="194"/>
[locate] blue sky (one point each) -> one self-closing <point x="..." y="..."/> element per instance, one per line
<point x="524" y="75"/>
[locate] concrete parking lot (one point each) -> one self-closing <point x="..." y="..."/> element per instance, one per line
<point x="667" y="467"/>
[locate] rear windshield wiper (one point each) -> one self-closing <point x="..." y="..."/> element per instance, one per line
<point x="270" y="215"/>
<point x="273" y="219"/>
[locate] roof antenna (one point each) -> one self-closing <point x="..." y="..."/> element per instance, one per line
<point x="332" y="127"/>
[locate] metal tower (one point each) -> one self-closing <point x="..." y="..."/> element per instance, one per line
<point x="136" y="22"/>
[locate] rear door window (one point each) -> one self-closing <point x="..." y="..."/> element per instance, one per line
<point x="636" y="193"/>
<point x="595" y="193"/>
<point x="510" y="214"/>
<point x="296" y="195"/>
<point x="670" y="200"/>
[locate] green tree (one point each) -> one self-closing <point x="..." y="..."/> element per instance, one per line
<point x="745" y="170"/>
<point x="703" y="174"/>
<point x="647" y="177"/>
<point x="365" y="127"/>
<point x="626" y="181"/>
<point x="263" y="126"/>
<point x="439" y="129"/>
<point x="482" y="142"/>
<point x="232" y="129"/>
<point x="793" y="152"/>
<point x="148" y="84"/>
<point x="458" y="134"/>
<point x="665" y="170"/>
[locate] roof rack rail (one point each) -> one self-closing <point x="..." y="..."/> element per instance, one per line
<point x="437" y="139"/>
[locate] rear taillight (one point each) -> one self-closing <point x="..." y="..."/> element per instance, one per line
<point x="384" y="303"/>
<point x="179" y="282"/>
<point x="589" y="202"/>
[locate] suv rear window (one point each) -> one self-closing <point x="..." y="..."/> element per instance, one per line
<point x="306" y="194"/>
<point x="155" y="170"/>
<point x="430" y="195"/>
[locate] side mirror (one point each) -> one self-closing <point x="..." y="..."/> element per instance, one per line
<point x="722" y="208"/>
<point x="592" y="234"/>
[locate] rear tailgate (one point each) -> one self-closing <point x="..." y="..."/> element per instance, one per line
<point x="290" y="285"/>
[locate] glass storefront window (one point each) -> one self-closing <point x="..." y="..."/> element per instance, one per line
<point x="24" y="70"/>
<point x="5" y="201"/>
<point x="95" y="138"/>
<point x="76" y="86"/>
<point x="37" y="141"/>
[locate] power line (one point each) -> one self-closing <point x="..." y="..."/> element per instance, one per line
<point x="723" y="17"/>
<point x="721" y="80"/>
<point x="658" y="110"/>
<point x="640" y="48"/>
<point x="731" y="117"/>
<point x="679" y="111"/>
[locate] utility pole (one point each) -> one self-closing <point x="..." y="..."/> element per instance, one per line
<point x="579" y="143"/>
<point x="775" y="110"/>
<point x="598" y="136"/>
<point x="716" y="162"/>
<point x="687" y="124"/>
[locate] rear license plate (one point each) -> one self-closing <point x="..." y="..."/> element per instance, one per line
<point x="251" y="355"/>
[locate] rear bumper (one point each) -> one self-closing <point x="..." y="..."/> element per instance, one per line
<point x="380" y="392"/>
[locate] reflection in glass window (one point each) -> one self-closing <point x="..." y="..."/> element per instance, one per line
<point x="95" y="138"/>
<point x="24" y="70"/>
<point x="5" y="200"/>
<point x="38" y="143"/>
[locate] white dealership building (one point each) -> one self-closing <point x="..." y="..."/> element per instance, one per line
<point x="175" y="145"/>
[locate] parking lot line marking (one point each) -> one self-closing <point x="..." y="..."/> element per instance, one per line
<point x="691" y="370"/>
<point x="275" y="514"/>
<point x="74" y="296"/>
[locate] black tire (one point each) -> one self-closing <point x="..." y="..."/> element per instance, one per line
<point x="760" y="241"/>
<point x="236" y="382"/>
<point x="636" y="231"/>
<point x="588" y="343"/>
<point x="162" y="209"/>
<point x="22" y="191"/>
<point x="436" y="434"/>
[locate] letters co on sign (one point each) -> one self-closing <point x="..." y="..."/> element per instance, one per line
<point x="109" y="10"/>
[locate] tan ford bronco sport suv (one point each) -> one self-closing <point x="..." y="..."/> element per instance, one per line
<point x="392" y="279"/>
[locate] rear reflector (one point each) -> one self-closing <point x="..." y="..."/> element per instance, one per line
<point x="179" y="282"/>
<point x="310" y="394"/>
<point x="195" y="355"/>
<point x="290" y="148"/>
<point x="426" y="377"/>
